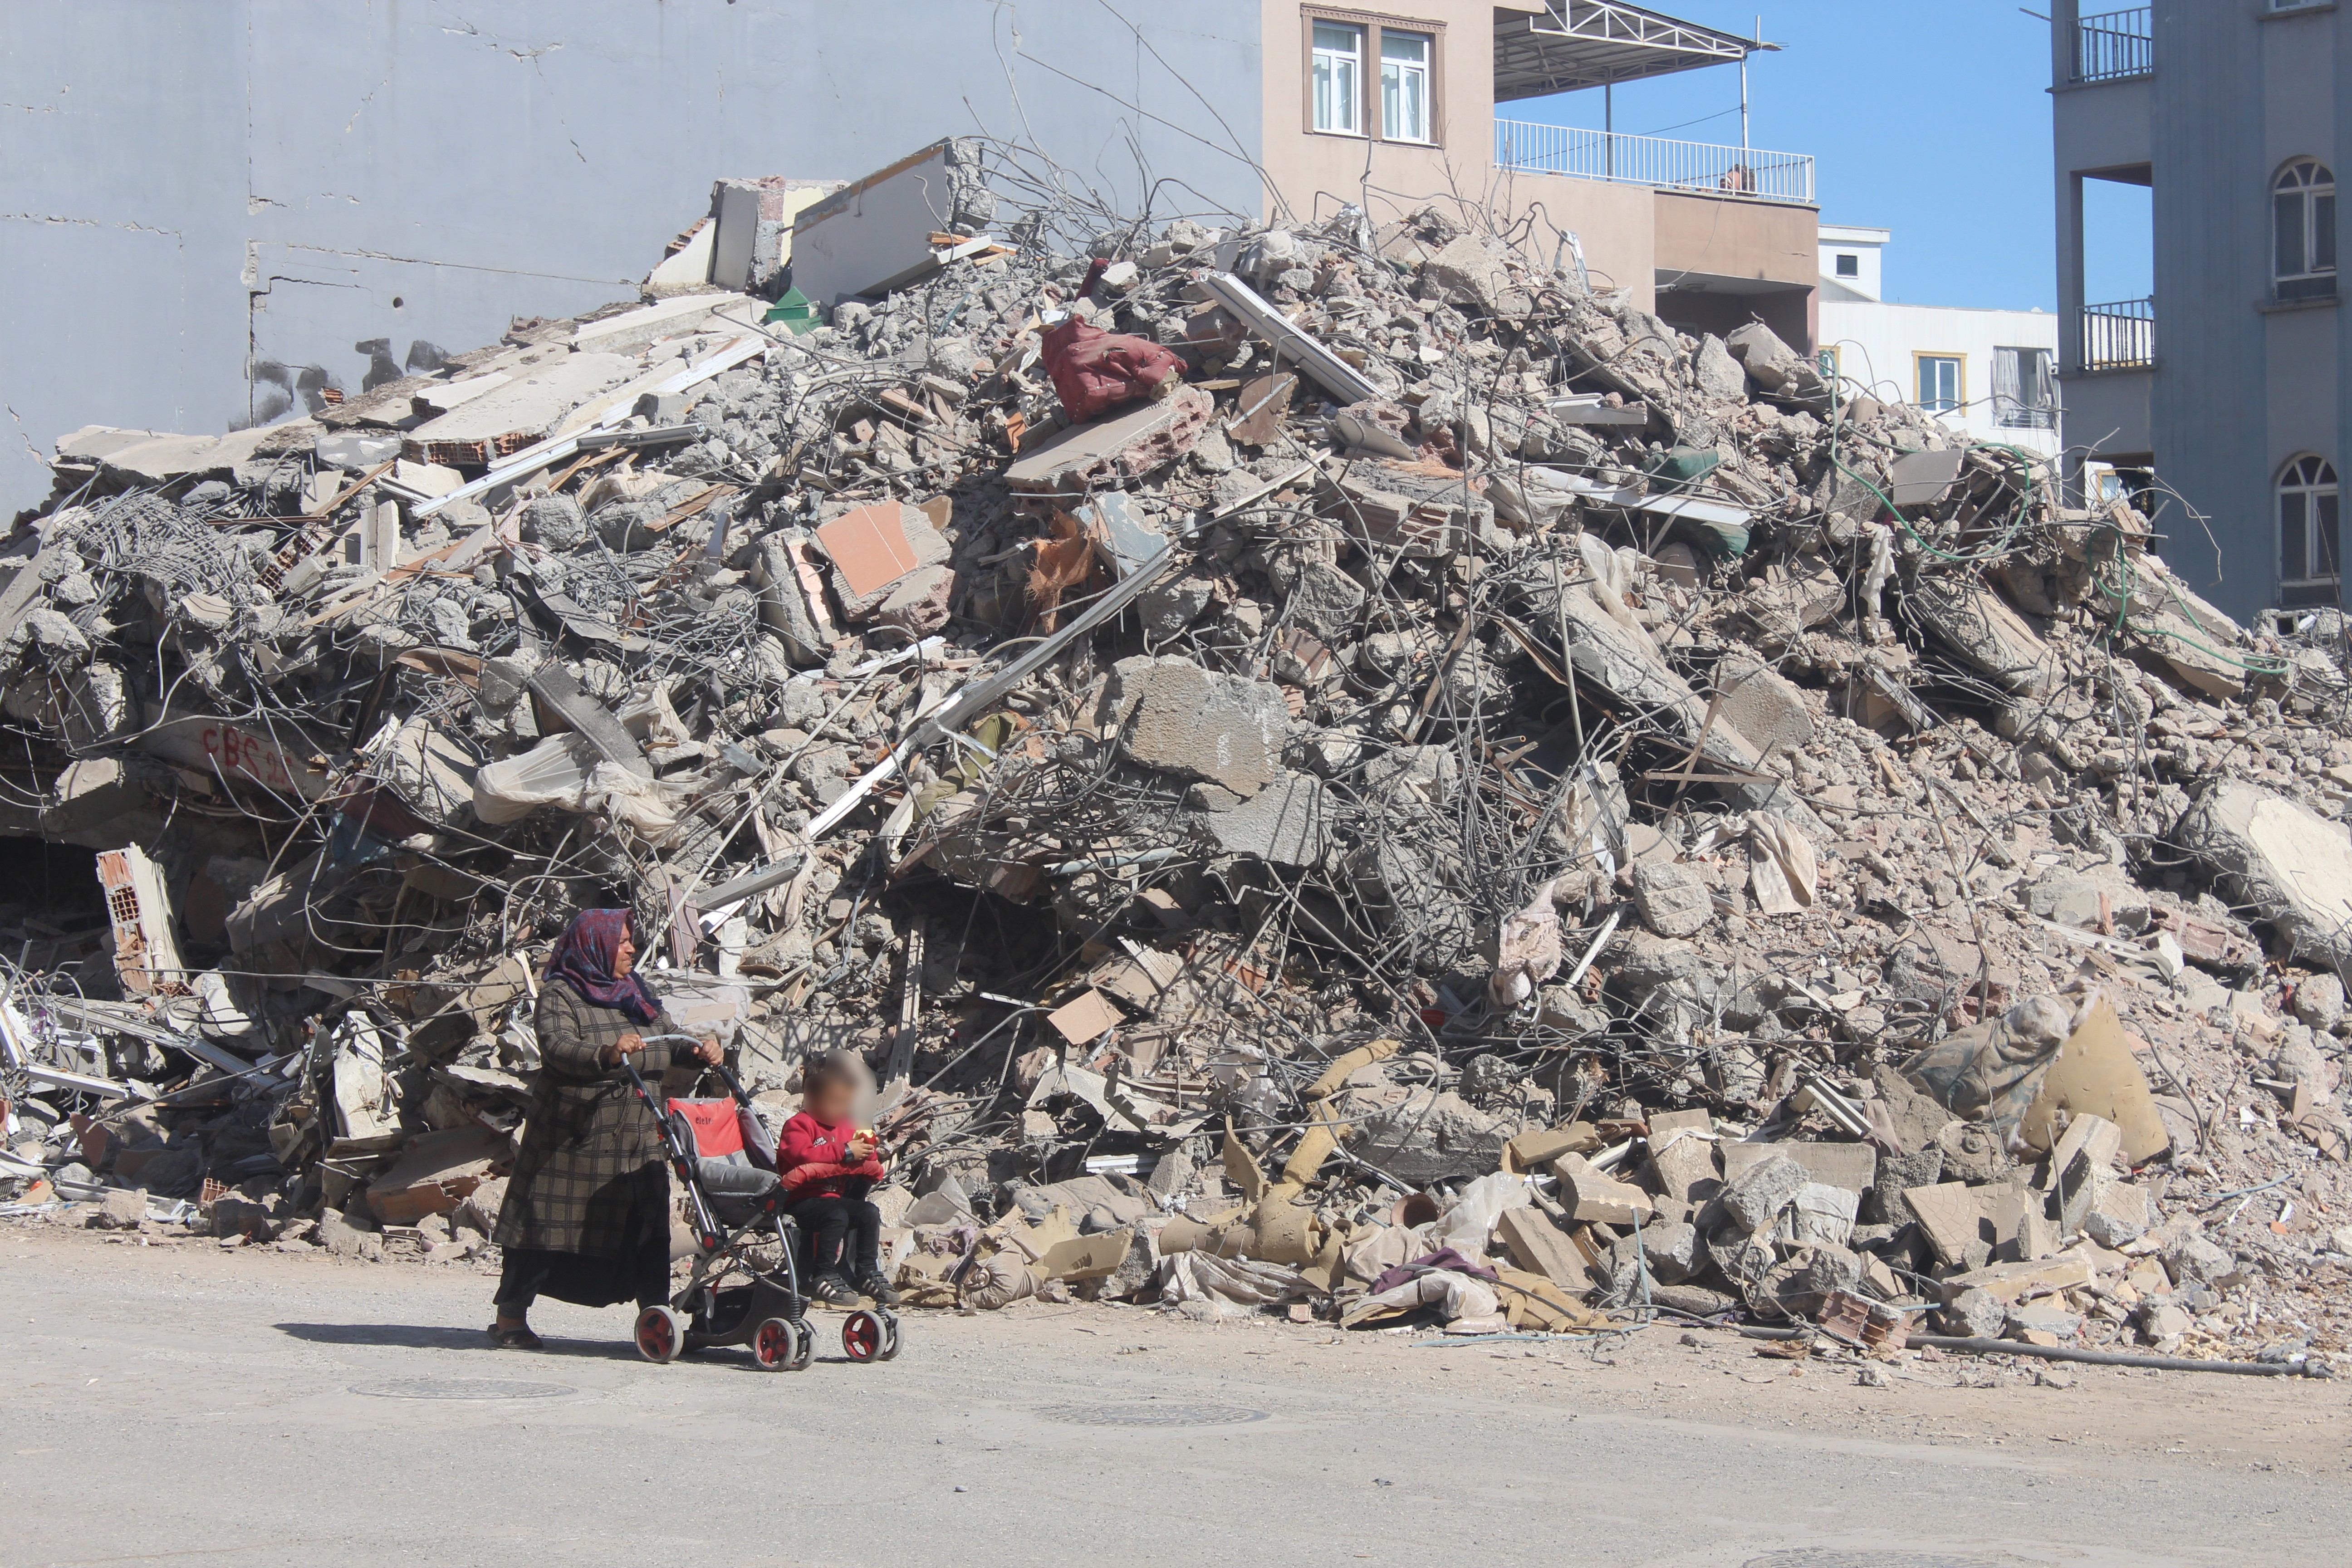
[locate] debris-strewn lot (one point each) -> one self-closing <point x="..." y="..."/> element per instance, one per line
<point x="1332" y="772"/>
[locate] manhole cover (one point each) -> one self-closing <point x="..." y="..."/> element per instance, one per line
<point x="458" y="1388"/>
<point x="1157" y="1413"/>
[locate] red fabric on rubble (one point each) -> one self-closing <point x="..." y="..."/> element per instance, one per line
<point x="1095" y="371"/>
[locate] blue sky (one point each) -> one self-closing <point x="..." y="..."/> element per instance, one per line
<point x="1930" y="118"/>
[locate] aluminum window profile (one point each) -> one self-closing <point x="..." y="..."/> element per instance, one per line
<point x="1406" y="61"/>
<point x="1939" y="381"/>
<point x="2310" y="541"/>
<point x="2303" y="231"/>
<point x="1336" y="84"/>
<point x="2023" y="396"/>
<point x="1374" y="76"/>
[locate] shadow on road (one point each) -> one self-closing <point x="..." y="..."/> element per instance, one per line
<point x="440" y="1337"/>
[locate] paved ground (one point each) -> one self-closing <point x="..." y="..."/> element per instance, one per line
<point x="177" y="1403"/>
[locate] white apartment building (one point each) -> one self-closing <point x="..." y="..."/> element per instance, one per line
<point x="1991" y="374"/>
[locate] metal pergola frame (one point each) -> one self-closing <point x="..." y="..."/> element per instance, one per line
<point x="1579" y="44"/>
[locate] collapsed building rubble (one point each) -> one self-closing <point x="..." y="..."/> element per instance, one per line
<point x="1326" y="769"/>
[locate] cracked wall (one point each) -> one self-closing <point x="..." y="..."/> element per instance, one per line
<point x="216" y="211"/>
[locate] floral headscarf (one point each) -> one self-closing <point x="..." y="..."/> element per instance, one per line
<point x="587" y="954"/>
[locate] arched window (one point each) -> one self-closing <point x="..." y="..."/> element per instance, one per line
<point x="2303" y="231"/>
<point x="2308" y="536"/>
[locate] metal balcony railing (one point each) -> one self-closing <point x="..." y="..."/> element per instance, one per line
<point x="2115" y="45"/>
<point x="1534" y="148"/>
<point x="2119" y="336"/>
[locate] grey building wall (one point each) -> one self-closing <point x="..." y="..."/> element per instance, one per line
<point x="2212" y="403"/>
<point x="209" y="202"/>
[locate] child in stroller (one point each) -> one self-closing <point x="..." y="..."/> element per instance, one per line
<point x="726" y="1166"/>
<point x="829" y="1164"/>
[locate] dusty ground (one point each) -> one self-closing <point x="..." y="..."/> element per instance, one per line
<point x="174" y="1398"/>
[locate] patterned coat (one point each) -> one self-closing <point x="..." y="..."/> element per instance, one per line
<point x="591" y="1154"/>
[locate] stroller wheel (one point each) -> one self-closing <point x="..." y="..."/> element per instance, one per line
<point x="660" y="1335"/>
<point x="863" y="1336"/>
<point x="780" y="1345"/>
<point x="889" y="1334"/>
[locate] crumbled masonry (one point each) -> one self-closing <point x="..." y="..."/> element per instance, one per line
<point x="1460" y="805"/>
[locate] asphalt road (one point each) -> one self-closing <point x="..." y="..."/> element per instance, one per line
<point x="170" y="1404"/>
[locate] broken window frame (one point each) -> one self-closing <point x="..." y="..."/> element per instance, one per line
<point x="2310" y="532"/>
<point x="1938" y="403"/>
<point x="2303" y="232"/>
<point x="2023" y="398"/>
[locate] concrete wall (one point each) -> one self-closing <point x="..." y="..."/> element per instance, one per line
<point x="1875" y="342"/>
<point x="1311" y="175"/>
<point x="206" y="189"/>
<point x="2240" y="385"/>
<point x="1616" y="225"/>
<point x="1732" y="236"/>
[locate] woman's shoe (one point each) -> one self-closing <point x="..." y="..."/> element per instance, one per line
<point x="515" y="1339"/>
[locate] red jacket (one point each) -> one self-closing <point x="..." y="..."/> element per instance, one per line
<point x="814" y="1159"/>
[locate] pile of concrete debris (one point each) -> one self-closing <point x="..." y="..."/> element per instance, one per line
<point x="1328" y="768"/>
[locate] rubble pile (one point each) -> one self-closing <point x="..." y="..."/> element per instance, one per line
<point x="1331" y="769"/>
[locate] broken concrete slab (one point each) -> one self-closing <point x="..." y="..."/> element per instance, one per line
<point x="507" y="418"/>
<point x="1113" y="451"/>
<point x="1766" y="709"/>
<point x="1979" y="625"/>
<point x="1849" y="1165"/>
<point x="1284" y="823"/>
<point x="2280" y="860"/>
<point x="1671" y="899"/>
<point x="1175" y="716"/>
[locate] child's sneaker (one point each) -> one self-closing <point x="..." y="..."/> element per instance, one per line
<point x="832" y="1291"/>
<point x="877" y="1290"/>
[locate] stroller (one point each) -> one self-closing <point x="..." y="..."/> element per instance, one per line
<point x="726" y="1163"/>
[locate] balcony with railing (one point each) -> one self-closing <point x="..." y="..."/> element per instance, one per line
<point x="2120" y="335"/>
<point x="2114" y="46"/>
<point x="1525" y="147"/>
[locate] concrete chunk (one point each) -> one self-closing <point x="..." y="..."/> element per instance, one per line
<point x="1672" y="1252"/>
<point x="1755" y="1196"/>
<point x="1948" y="1213"/>
<point x="1824" y="1215"/>
<point x="1541" y="1247"/>
<point x="1768" y="711"/>
<point x="1282" y="824"/>
<point x="1852" y="1166"/>
<point x="1177" y="718"/>
<point x="1671" y="899"/>
<point x="2292" y="865"/>
<point x="1593" y="1198"/>
<point x="1113" y="451"/>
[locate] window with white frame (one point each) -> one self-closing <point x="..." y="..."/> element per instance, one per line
<point x="1848" y="265"/>
<point x="2303" y="231"/>
<point x="1338" y="77"/>
<point x="1404" y="86"/>
<point x="2023" y="389"/>
<point x="2307" y="502"/>
<point x="1939" y="387"/>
